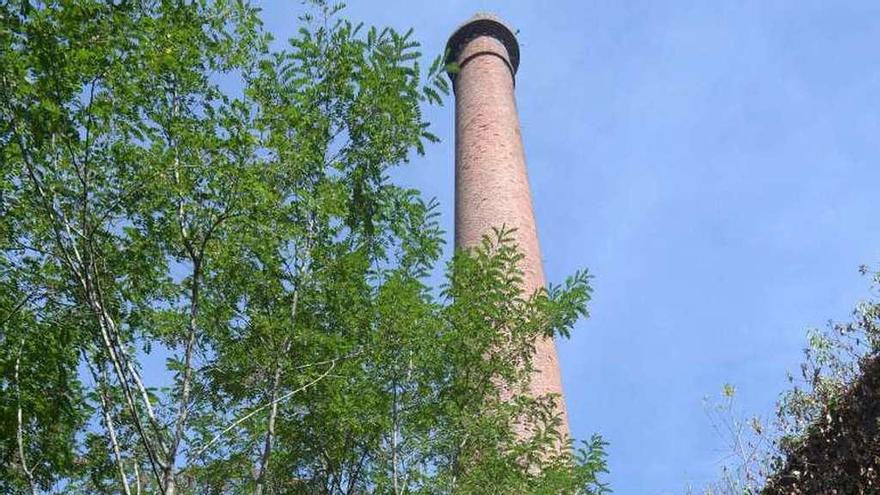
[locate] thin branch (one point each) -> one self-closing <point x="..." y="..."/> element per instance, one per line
<point x="15" y="309"/>
<point x="251" y="414"/>
<point x="49" y="205"/>
<point x="120" y="365"/>
<point x="102" y="383"/>
<point x="329" y="361"/>
<point x="186" y="385"/>
<point x="137" y="478"/>
<point x="270" y="432"/>
<point x="29" y="474"/>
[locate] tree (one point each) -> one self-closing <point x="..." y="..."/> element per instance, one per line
<point x="829" y="422"/>
<point x="824" y="436"/>
<point x="247" y="235"/>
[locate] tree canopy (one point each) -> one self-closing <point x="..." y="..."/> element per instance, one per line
<point x="210" y="284"/>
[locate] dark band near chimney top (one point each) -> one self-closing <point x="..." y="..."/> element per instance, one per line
<point x="483" y="25"/>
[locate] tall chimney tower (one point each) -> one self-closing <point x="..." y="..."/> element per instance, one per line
<point x="491" y="183"/>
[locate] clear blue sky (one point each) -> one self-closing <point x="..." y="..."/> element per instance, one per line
<point x="716" y="165"/>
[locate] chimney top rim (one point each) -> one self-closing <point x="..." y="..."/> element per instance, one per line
<point x="484" y="24"/>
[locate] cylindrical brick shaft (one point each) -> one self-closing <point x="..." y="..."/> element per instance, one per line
<point x="491" y="183"/>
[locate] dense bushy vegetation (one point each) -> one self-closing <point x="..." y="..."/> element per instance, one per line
<point x="825" y="436"/>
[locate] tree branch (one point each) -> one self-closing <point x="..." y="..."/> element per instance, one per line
<point x="102" y="382"/>
<point x="15" y="309"/>
<point x="218" y="436"/>
<point x="29" y="474"/>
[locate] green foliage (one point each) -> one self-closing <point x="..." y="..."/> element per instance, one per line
<point x="253" y="248"/>
<point x="824" y="433"/>
<point x="828" y="421"/>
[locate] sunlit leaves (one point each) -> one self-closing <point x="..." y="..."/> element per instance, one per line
<point x="225" y="292"/>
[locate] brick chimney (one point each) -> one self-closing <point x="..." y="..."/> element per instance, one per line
<point x="491" y="183"/>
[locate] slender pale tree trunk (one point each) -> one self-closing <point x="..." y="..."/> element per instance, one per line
<point x="270" y="432"/>
<point x="269" y="440"/>
<point x="28" y="474"/>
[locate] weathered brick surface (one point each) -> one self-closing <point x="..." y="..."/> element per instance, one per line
<point x="491" y="183"/>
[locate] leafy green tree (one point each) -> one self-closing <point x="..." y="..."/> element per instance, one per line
<point x="249" y="244"/>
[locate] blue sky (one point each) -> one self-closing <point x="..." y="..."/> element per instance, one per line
<point x="714" y="164"/>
